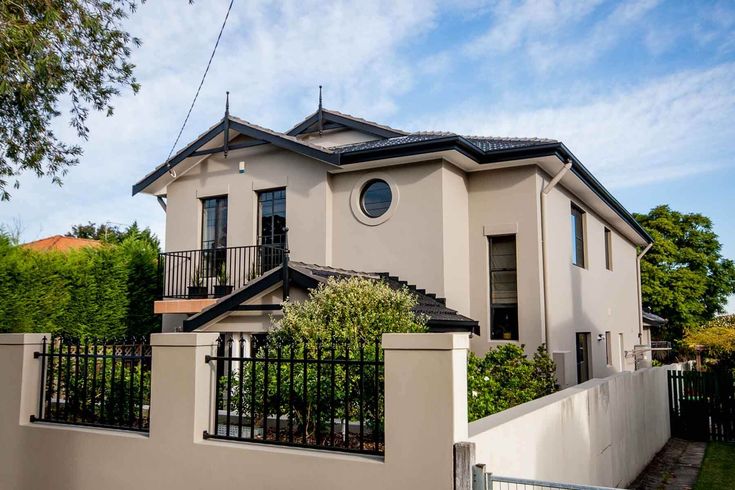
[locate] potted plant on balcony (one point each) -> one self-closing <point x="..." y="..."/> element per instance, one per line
<point x="197" y="289"/>
<point x="222" y="288"/>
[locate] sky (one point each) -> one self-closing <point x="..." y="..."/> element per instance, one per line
<point x="642" y="91"/>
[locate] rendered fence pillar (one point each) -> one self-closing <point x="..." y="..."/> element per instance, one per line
<point x="425" y="407"/>
<point x="20" y="375"/>
<point x="181" y="386"/>
<point x="20" y="384"/>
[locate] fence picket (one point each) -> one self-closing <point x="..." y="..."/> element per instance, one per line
<point x="70" y="372"/>
<point x="702" y="405"/>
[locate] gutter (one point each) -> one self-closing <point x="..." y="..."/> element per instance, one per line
<point x="544" y="253"/>
<point x="466" y="148"/>
<point x="640" y="291"/>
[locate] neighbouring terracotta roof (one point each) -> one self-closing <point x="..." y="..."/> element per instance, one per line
<point x="61" y="243"/>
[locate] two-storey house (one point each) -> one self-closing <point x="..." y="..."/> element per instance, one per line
<point x="512" y="239"/>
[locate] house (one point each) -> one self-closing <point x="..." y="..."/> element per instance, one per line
<point x="512" y="239"/>
<point x="61" y="243"/>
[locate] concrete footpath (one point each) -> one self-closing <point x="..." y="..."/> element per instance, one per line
<point x="675" y="467"/>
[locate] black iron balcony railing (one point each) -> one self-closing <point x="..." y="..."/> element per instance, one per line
<point x="215" y="272"/>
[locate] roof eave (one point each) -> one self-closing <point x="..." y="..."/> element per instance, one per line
<point x="466" y="148"/>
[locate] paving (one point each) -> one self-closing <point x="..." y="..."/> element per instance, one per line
<point x="675" y="467"/>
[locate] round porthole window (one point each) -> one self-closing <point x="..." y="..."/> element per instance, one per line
<point x="375" y="198"/>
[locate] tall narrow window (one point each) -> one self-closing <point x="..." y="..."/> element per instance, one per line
<point x="271" y="227"/>
<point x="503" y="288"/>
<point x="577" y="236"/>
<point x="214" y="234"/>
<point x="608" y="249"/>
<point x="608" y="348"/>
<point x="621" y="352"/>
<point x="272" y="217"/>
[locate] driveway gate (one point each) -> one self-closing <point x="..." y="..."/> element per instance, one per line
<point x="702" y="405"/>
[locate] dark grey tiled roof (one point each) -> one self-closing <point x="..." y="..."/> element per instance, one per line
<point x="427" y="303"/>
<point x="481" y="142"/>
<point x="652" y="319"/>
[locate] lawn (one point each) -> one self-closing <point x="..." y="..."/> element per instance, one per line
<point x="718" y="467"/>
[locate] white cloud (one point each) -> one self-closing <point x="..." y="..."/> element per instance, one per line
<point x="667" y="128"/>
<point x="271" y="59"/>
<point x="549" y="32"/>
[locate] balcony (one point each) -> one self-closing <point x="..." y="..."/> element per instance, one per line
<point x="215" y="272"/>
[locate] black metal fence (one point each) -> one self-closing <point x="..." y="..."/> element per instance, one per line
<point x="702" y="405"/>
<point x="95" y="383"/>
<point x="215" y="272"/>
<point x="326" y="395"/>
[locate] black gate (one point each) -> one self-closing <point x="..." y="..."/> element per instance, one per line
<point x="702" y="405"/>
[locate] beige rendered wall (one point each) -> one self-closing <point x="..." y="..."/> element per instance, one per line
<point x="602" y="432"/>
<point x="409" y="244"/>
<point x="425" y="388"/>
<point x="267" y="167"/>
<point x="505" y="202"/>
<point x="590" y="299"/>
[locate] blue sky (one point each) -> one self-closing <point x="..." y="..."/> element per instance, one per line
<point x="641" y="91"/>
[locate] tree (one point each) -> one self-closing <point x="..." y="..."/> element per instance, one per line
<point x="110" y="233"/>
<point x="684" y="277"/>
<point x="718" y="339"/>
<point x="53" y="53"/>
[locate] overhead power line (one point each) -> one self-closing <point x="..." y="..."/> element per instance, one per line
<point x="204" y="76"/>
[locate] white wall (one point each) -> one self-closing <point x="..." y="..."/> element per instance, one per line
<point x="602" y="432"/>
<point x="591" y="298"/>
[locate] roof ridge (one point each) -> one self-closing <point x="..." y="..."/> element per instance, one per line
<point x="509" y="138"/>
<point x="281" y="135"/>
<point x="366" y="121"/>
<point x="435" y="133"/>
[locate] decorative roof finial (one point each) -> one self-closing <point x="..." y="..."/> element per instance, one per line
<point x="227" y="124"/>
<point x="321" y="121"/>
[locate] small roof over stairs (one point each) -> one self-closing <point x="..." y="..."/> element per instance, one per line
<point x="308" y="276"/>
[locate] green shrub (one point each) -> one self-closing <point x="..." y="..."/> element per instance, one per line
<point x="103" y="292"/>
<point x="348" y="310"/>
<point x="352" y="313"/>
<point x="505" y="377"/>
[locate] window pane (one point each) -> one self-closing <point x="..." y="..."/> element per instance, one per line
<point x="214" y="222"/>
<point x="577" y="236"/>
<point x="272" y="217"/>
<point x="376" y="198"/>
<point x="504" y="323"/>
<point x="503" y="288"/>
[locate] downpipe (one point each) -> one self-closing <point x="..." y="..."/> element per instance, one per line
<point x="544" y="253"/>
<point x="640" y="292"/>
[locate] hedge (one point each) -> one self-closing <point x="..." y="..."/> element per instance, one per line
<point x="105" y="292"/>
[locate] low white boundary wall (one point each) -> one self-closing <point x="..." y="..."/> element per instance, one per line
<point x="425" y="414"/>
<point x="602" y="432"/>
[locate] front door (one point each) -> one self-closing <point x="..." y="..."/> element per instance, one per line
<point x="583" y="357"/>
<point x="272" y="227"/>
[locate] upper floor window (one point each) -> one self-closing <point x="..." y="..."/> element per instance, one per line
<point x="272" y="217"/>
<point x="214" y="222"/>
<point x="214" y="235"/>
<point x="503" y="288"/>
<point x="577" y="236"/>
<point x="608" y="250"/>
<point x="375" y="198"/>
